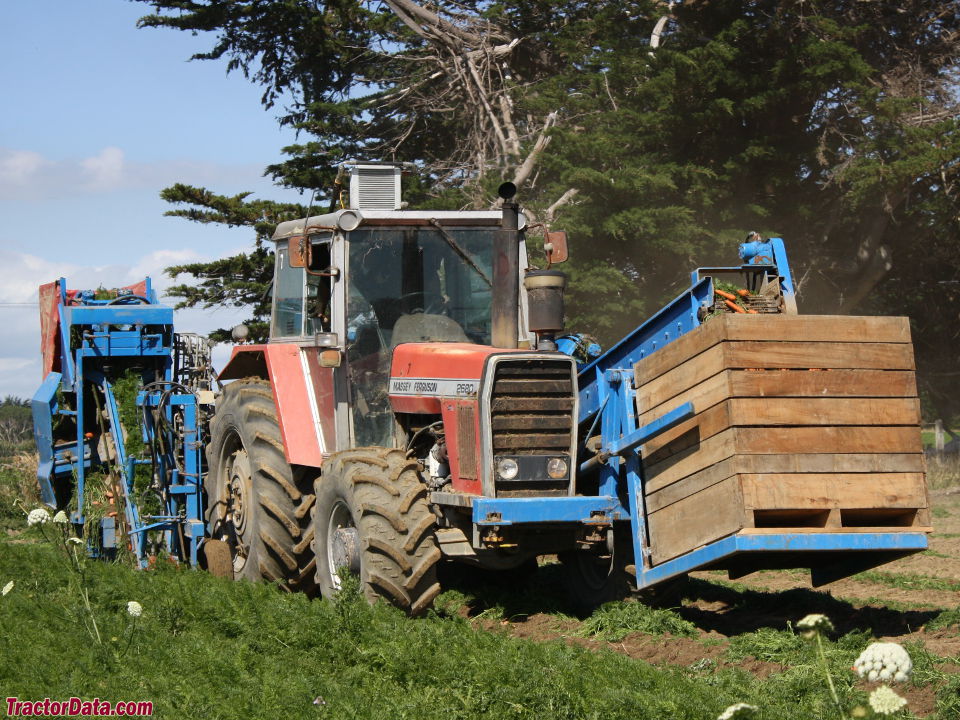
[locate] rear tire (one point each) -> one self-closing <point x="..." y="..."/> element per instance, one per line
<point x="371" y="517"/>
<point x="256" y="502"/>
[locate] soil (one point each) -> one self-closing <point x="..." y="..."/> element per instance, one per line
<point x="890" y="603"/>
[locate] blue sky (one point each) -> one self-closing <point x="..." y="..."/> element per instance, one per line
<point x="97" y="118"/>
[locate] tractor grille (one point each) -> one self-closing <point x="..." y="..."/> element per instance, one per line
<point x="531" y="414"/>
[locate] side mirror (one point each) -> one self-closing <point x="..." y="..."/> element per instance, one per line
<point x="555" y="245"/>
<point x="299" y="252"/>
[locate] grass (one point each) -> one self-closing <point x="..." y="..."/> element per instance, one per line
<point x="908" y="581"/>
<point x="209" y="648"/>
<point x="18" y="486"/>
<point x="946" y="619"/>
<point x="943" y="472"/>
<point x="614" y="621"/>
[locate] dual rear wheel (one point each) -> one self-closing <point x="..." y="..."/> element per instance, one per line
<point x="366" y="514"/>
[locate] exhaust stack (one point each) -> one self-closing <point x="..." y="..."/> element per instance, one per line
<point x="506" y="272"/>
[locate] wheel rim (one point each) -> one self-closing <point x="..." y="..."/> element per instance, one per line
<point x="239" y="495"/>
<point x="343" y="543"/>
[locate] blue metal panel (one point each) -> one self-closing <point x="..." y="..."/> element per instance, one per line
<point x="119" y="315"/>
<point x="44" y="408"/>
<point x="507" y="511"/>
<point x="779" y="542"/>
<point x="632" y="440"/>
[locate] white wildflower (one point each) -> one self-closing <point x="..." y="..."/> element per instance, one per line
<point x="38" y="516"/>
<point x="884" y="661"/>
<point x="740" y="710"/>
<point x="814" y="624"/>
<point x="7" y="588"/>
<point x="885" y="701"/>
<point x="75" y="541"/>
<point x="61" y="518"/>
<point x="134" y="609"/>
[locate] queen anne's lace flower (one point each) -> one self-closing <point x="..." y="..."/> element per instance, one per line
<point x="885" y="701"/>
<point x="75" y="541"/>
<point x="61" y="518"/>
<point x="740" y="710"/>
<point x="7" y="588"/>
<point x="38" y="516"/>
<point x="134" y="609"/>
<point x="884" y="662"/>
<point x="814" y="624"/>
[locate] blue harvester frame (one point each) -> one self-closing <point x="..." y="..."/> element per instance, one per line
<point x="77" y="424"/>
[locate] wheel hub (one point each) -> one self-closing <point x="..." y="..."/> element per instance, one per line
<point x="343" y="544"/>
<point x="238" y="494"/>
<point x="346" y="549"/>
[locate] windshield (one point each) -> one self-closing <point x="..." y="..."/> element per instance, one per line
<point x="410" y="284"/>
<point x="416" y="270"/>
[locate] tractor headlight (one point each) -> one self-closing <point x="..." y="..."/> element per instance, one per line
<point x="507" y="468"/>
<point x="557" y="468"/>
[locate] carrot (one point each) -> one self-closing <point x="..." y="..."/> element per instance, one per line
<point x="724" y="294"/>
<point x="733" y="306"/>
<point x="743" y="292"/>
<point x="752" y="312"/>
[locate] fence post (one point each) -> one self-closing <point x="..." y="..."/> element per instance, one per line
<point x="938" y="437"/>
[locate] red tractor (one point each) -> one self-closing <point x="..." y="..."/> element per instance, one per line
<point x="399" y="386"/>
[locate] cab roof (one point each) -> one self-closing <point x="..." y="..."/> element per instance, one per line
<point x="349" y="217"/>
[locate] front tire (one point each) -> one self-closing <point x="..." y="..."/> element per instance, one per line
<point x="257" y="503"/>
<point x="371" y="518"/>
<point x="592" y="579"/>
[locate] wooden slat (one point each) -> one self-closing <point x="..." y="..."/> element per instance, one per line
<point x="690" y="460"/>
<point x="766" y="356"/>
<point x="660" y="494"/>
<point x="878" y="529"/>
<point x="773" y="328"/>
<point x="781" y="412"/>
<point x="688" y="433"/>
<point x="707" y="516"/>
<point x="775" y="384"/>
<point x="659" y="497"/>
<point x="813" y="462"/>
<point x="868" y="355"/>
<point x="852" y="439"/>
<point x="887" y="442"/>
<point x="809" y="491"/>
<point x="825" y="411"/>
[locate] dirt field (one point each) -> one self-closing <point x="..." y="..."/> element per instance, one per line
<point x="893" y="602"/>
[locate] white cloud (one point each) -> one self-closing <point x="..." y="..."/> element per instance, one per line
<point x="17" y="167"/>
<point x="20" y="366"/>
<point x="104" y="171"/>
<point x="28" y="175"/>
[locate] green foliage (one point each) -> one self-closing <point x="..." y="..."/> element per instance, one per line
<point x="832" y="124"/>
<point x="615" y="620"/>
<point x="206" y="647"/>
<point x="947" y="618"/>
<point x="16" y="426"/>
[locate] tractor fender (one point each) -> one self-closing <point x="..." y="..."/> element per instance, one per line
<point x="288" y="370"/>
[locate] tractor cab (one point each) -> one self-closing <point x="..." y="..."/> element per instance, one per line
<point x="367" y="278"/>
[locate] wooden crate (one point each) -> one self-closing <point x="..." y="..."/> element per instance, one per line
<point x="802" y="422"/>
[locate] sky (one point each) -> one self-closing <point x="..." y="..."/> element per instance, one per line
<point x="98" y="117"/>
